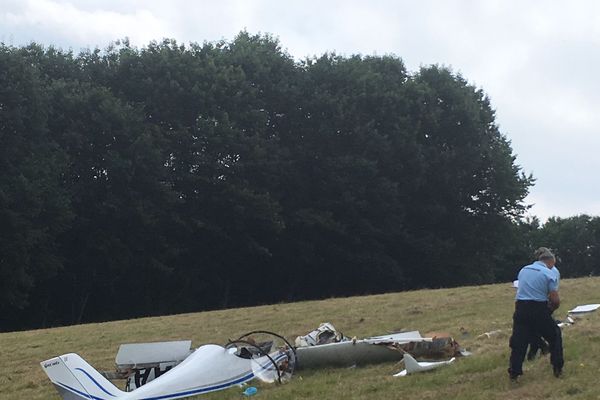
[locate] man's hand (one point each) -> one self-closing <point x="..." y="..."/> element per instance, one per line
<point x="553" y="300"/>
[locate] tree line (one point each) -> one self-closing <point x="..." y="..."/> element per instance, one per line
<point x="177" y="178"/>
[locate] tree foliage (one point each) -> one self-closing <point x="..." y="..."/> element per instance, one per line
<point x="175" y="178"/>
<point x="34" y="205"/>
<point x="577" y="244"/>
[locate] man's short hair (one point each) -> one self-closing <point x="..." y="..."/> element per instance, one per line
<point x="544" y="253"/>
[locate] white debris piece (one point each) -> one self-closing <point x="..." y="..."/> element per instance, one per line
<point x="325" y="333"/>
<point x="584" y="308"/>
<point x="567" y="322"/>
<point x="413" y="365"/>
<point x="489" y="334"/>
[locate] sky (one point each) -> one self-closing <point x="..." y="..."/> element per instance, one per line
<point x="536" y="60"/>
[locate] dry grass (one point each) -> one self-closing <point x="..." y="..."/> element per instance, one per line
<point x="463" y="312"/>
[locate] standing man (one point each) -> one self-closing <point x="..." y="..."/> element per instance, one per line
<point x="537" y="297"/>
<point x="537" y="343"/>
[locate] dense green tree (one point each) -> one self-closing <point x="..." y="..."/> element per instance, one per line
<point x="34" y="208"/>
<point x="176" y="178"/>
<point x="210" y="103"/>
<point x="471" y="191"/>
<point x="117" y="249"/>
<point x="576" y="241"/>
<point x="343" y="206"/>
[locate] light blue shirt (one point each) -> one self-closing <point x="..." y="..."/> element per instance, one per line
<point x="557" y="273"/>
<point x="536" y="281"/>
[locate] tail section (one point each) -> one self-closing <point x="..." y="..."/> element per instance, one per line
<point x="411" y="364"/>
<point x="75" y="379"/>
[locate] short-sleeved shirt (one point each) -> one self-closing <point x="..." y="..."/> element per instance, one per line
<point x="536" y="281"/>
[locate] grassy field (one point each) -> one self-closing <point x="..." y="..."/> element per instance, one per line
<point x="464" y="312"/>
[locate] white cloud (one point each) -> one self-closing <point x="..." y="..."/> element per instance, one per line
<point x="85" y="28"/>
<point x="546" y="205"/>
<point x="536" y="59"/>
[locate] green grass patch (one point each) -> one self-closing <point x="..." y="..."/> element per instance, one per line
<point x="464" y="312"/>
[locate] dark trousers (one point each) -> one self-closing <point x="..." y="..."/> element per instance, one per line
<point x="533" y="319"/>
<point x="536" y="345"/>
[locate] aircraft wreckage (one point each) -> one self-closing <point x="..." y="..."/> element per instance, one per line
<point x="325" y="347"/>
<point x="170" y="370"/>
<point x="207" y="369"/>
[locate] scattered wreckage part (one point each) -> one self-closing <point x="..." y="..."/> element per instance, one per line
<point x="376" y="349"/>
<point x="140" y="363"/>
<point x="289" y="364"/>
<point x="399" y="337"/>
<point x="567" y="322"/>
<point x="434" y="345"/>
<point x="586" y="308"/>
<point x="248" y="334"/>
<point x="464" y="353"/>
<point x="249" y="356"/>
<point x="324" y="334"/>
<point x="293" y="348"/>
<point x="141" y="355"/>
<point x="487" y="335"/>
<point x="209" y="368"/>
<point x="412" y="366"/>
<point x="344" y="354"/>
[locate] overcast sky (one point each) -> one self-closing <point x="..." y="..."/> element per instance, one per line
<point x="537" y="60"/>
